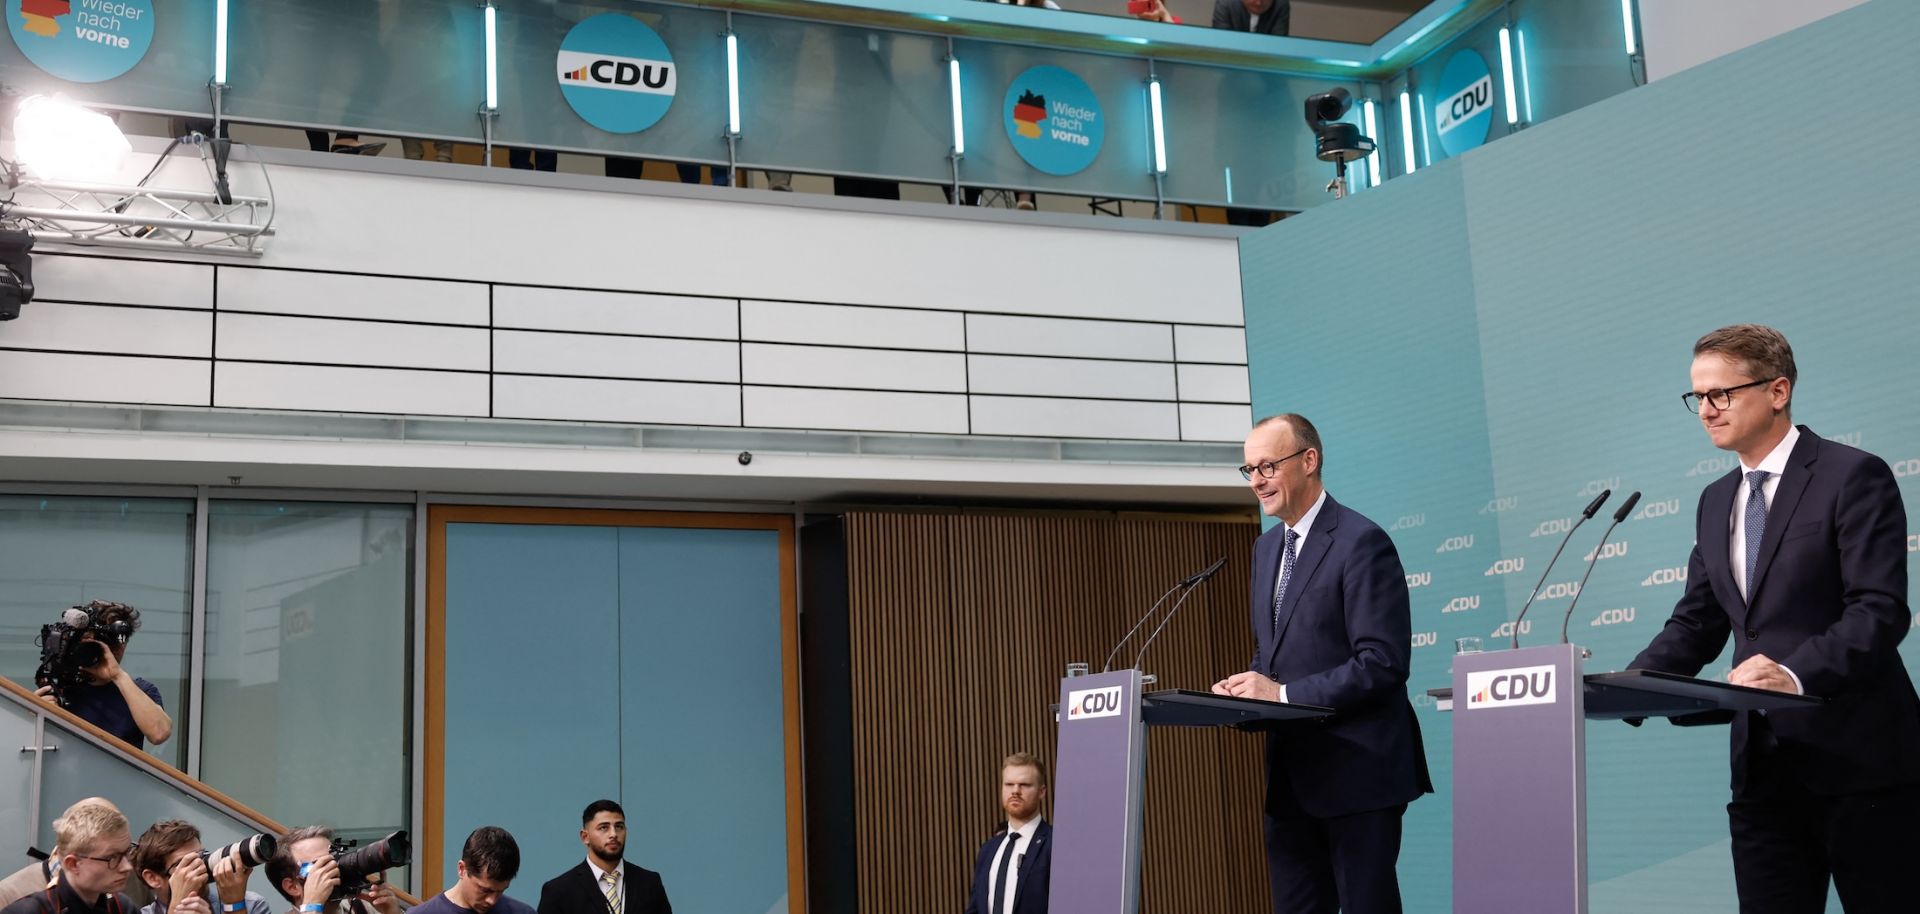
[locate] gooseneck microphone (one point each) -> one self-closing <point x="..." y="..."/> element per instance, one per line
<point x="1192" y="584"/>
<point x="1626" y="508"/>
<point x="1186" y="583"/>
<point x="1585" y="516"/>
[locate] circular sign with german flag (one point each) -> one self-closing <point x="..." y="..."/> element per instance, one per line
<point x="1054" y="120"/>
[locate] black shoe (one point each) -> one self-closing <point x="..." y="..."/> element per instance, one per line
<point x="363" y="149"/>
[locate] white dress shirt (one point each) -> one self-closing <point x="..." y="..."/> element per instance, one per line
<point x="1300" y="531"/>
<point x="1775" y="463"/>
<point x="1021" y="848"/>
<point x="600" y="881"/>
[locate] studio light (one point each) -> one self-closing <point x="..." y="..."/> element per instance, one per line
<point x="1406" y="132"/>
<point x="1159" y="127"/>
<point x="58" y="140"/>
<point x="733" y="84"/>
<point x="1506" y="75"/>
<point x="493" y="60"/>
<point x="1373" y="157"/>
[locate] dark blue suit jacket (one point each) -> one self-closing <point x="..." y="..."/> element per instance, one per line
<point x="1030" y="895"/>
<point x="1829" y="602"/>
<point x="1344" y="642"/>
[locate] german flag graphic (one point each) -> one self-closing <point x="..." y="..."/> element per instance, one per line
<point x="39" y="15"/>
<point x="1028" y="113"/>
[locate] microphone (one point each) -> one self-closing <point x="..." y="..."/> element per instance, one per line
<point x="1585" y="516"/>
<point x="1184" y="583"/>
<point x="1193" y="584"/>
<point x="1626" y="508"/>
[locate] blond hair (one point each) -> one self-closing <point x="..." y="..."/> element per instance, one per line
<point x="85" y="823"/>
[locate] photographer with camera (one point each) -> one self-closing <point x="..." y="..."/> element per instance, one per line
<point x="96" y="858"/>
<point x="179" y="871"/>
<point x="308" y="871"/>
<point x="80" y="670"/>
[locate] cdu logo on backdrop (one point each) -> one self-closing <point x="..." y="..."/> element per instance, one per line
<point x="1054" y="120"/>
<point x="616" y="73"/>
<point x="82" y="41"/>
<point x="1464" y="112"/>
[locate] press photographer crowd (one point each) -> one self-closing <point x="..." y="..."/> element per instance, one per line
<point x="97" y="867"/>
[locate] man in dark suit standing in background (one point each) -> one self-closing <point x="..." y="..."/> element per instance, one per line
<point x="1800" y="556"/>
<point x="605" y="883"/>
<point x="1332" y="627"/>
<point x="1010" y="871"/>
<point x="1263" y="17"/>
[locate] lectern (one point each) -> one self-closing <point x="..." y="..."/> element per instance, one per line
<point x="1099" y="787"/>
<point x="1520" y="766"/>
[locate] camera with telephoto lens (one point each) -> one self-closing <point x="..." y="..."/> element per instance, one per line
<point x="252" y="851"/>
<point x="357" y="863"/>
<point x="66" y="651"/>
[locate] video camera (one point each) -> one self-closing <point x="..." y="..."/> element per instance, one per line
<point x="66" y="652"/>
<point x="358" y="863"/>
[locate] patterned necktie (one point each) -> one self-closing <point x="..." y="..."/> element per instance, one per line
<point x="1286" y="571"/>
<point x="1756" y="520"/>
<point x="1000" y="899"/>
<point x="612" y="890"/>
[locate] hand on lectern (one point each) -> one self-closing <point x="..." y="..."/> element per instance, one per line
<point x="1248" y="685"/>
<point x="1761" y="672"/>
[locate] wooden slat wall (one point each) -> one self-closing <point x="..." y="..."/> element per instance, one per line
<point x="961" y="627"/>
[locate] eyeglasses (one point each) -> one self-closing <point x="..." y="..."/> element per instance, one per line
<point x="112" y="860"/>
<point x="1719" y="397"/>
<point x="1270" y="467"/>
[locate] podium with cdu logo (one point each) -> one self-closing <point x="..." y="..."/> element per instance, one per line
<point x="1099" y="790"/>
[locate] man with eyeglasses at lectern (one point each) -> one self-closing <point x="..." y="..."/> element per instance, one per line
<point x="97" y="857"/>
<point x="1800" y="557"/>
<point x="1332" y="627"/>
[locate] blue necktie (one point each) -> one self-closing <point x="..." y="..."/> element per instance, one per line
<point x="1000" y="878"/>
<point x="1756" y="521"/>
<point x="1286" y="571"/>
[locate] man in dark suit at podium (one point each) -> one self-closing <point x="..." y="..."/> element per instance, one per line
<point x="1800" y="556"/>
<point x="604" y="883"/>
<point x="1010" y="873"/>
<point x="1331" y="627"/>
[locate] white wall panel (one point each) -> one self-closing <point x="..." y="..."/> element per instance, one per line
<point x="1057" y="336"/>
<point x="827" y="366"/>
<point x="1214" y="383"/>
<point x="916" y="256"/>
<point x="996" y="374"/>
<point x="616" y="312"/>
<point x="93" y="328"/>
<point x="349" y="390"/>
<point x="1214" y="422"/>
<point x="856" y="410"/>
<point x="114" y="281"/>
<point x="1210" y="344"/>
<point x="343" y="295"/>
<point x="580" y="354"/>
<point x="599" y="400"/>
<point x="844" y="325"/>
<point x="303" y="339"/>
<point x="103" y="378"/>
<point x="1074" y="418"/>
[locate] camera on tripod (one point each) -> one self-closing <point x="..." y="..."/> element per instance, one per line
<point x="79" y="641"/>
<point x="358" y="863"/>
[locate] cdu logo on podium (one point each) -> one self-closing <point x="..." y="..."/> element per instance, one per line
<point x="1087" y="704"/>
<point x="1527" y="685"/>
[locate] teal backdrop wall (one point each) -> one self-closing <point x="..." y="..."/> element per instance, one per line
<point x="1488" y="342"/>
<point x="638" y="664"/>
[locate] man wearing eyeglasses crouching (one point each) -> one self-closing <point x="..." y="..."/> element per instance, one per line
<point x="97" y="858"/>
